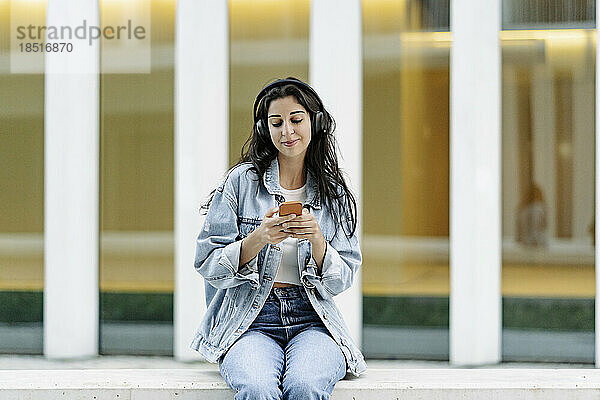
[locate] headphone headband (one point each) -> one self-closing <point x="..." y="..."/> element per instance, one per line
<point x="280" y="82"/>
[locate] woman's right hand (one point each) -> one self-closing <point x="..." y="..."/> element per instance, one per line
<point x="270" y="229"/>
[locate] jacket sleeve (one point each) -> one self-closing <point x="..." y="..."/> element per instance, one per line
<point x="342" y="259"/>
<point x="217" y="248"/>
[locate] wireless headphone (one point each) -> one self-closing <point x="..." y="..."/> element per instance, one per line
<point x="320" y="122"/>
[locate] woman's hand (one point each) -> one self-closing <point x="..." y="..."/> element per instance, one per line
<point x="271" y="229"/>
<point x="305" y="226"/>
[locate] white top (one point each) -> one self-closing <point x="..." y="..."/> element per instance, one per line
<point x="288" y="271"/>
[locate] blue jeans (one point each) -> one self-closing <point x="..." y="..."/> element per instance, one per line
<point x="286" y="353"/>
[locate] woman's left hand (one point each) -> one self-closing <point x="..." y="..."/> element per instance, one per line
<point x="305" y="226"/>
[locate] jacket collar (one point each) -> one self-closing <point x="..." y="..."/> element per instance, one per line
<point x="271" y="182"/>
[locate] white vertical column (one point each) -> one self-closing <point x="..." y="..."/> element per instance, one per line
<point x="71" y="188"/>
<point x="201" y="146"/>
<point x="475" y="148"/>
<point x="597" y="200"/>
<point x="336" y="34"/>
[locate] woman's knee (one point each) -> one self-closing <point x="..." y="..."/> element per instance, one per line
<point x="254" y="388"/>
<point x="259" y="391"/>
<point x="302" y="384"/>
<point x="304" y="389"/>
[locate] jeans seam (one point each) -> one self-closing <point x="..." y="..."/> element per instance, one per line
<point x="227" y="378"/>
<point x="336" y="372"/>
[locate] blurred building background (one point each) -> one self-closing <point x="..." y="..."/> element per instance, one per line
<point x="548" y="181"/>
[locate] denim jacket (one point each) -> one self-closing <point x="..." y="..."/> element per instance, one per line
<point x="235" y="294"/>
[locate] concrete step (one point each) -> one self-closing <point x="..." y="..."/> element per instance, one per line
<point x="375" y="384"/>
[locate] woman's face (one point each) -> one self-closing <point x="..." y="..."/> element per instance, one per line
<point x="289" y="125"/>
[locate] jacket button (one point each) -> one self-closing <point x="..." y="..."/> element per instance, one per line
<point x="325" y="315"/>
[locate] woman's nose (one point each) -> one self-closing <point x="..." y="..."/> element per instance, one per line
<point x="287" y="128"/>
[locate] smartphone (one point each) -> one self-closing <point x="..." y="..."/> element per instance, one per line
<point x="290" y="207"/>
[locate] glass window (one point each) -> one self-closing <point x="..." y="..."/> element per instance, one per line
<point x="548" y="278"/>
<point x="406" y="49"/>
<point x="22" y="194"/>
<point x="548" y="14"/>
<point x="136" y="190"/>
<point x="268" y="40"/>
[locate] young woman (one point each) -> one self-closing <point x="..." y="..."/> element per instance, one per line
<point x="271" y="321"/>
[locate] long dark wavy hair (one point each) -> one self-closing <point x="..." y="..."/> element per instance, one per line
<point x="320" y="159"/>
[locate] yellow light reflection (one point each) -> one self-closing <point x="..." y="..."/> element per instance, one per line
<point x="571" y="37"/>
<point x="564" y="48"/>
<point x="426" y="39"/>
<point x="123" y="2"/>
<point x="426" y="36"/>
<point x="256" y="3"/>
<point x="550" y="34"/>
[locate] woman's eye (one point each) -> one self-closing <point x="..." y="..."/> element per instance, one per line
<point x="278" y="124"/>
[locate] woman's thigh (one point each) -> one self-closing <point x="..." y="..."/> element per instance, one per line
<point x="314" y="363"/>
<point x="253" y="362"/>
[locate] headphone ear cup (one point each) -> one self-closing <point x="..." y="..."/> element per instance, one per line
<point x="320" y="122"/>
<point x="261" y="128"/>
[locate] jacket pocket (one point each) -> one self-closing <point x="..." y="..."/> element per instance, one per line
<point x="247" y="225"/>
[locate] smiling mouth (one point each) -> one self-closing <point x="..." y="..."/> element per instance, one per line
<point x="291" y="143"/>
